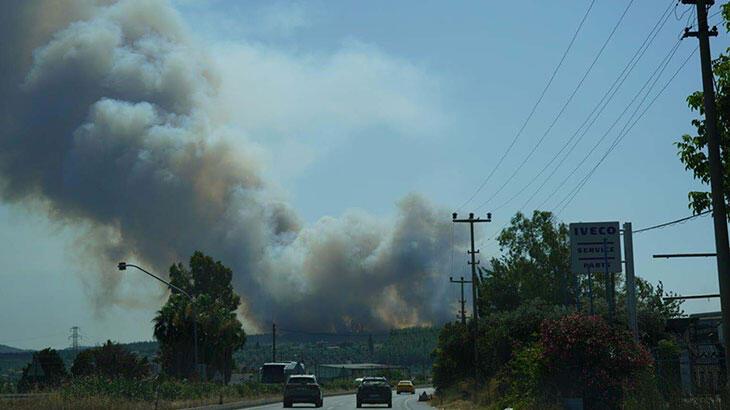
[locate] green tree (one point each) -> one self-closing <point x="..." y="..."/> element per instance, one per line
<point x="692" y="148"/>
<point x="109" y="360"/>
<point x="529" y="285"/>
<point x="220" y="332"/>
<point x="46" y="369"/>
<point x="652" y="311"/>
<point x="535" y="263"/>
<point x="500" y="335"/>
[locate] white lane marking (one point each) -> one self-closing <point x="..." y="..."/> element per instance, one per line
<point x="406" y="402"/>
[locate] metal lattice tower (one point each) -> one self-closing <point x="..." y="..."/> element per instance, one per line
<point x="75" y="337"/>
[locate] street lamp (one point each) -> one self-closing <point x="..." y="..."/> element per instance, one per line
<point x="125" y="265"/>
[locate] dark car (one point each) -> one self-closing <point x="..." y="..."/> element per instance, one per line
<point x="374" y="390"/>
<point x="278" y="372"/>
<point x="302" y="389"/>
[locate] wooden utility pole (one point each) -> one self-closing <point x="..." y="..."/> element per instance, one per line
<point x="462" y="300"/>
<point x="717" y="173"/>
<point x="474" y="281"/>
<point x="273" y="340"/>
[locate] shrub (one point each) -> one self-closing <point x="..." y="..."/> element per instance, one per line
<point x="49" y="369"/>
<point x="500" y="335"/>
<point x="109" y="360"/>
<point x="585" y="357"/>
<point x="453" y="356"/>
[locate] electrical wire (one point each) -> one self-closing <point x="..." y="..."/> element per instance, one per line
<point x="597" y="110"/>
<point x="31" y="338"/>
<point x="623" y="134"/>
<point x="676" y="221"/>
<point x="715" y="14"/>
<point x="689" y="9"/>
<point x="534" y="108"/>
<point x="562" y="109"/>
<point x="662" y="65"/>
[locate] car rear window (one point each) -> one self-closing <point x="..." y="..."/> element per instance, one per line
<point x="300" y="380"/>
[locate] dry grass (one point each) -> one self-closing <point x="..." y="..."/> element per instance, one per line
<point x="56" y="401"/>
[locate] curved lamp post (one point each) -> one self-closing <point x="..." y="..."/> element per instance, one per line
<point x="125" y="265"/>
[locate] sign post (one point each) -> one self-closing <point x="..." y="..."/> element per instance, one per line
<point x="590" y="292"/>
<point x="630" y="280"/>
<point x="595" y="246"/>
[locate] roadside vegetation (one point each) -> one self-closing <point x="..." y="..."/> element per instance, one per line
<point x="536" y="348"/>
<point x="161" y="373"/>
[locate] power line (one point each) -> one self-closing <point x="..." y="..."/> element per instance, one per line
<point x="31" y="338"/>
<point x="597" y="110"/>
<point x="655" y="75"/>
<point x="684" y="13"/>
<point x="623" y="134"/>
<point x="532" y="111"/>
<point x="562" y="109"/>
<point x="676" y="221"/>
<point x="662" y="65"/>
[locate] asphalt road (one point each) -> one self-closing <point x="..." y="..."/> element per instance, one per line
<point x="400" y="401"/>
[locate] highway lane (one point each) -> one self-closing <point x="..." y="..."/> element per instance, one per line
<point x="400" y="401"/>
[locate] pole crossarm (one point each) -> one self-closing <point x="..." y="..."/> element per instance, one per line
<point x="462" y="301"/>
<point x="708" y="296"/>
<point x="474" y="282"/>
<point x="683" y="255"/>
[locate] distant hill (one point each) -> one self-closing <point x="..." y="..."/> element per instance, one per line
<point x="406" y="347"/>
<point x="10" y="349"/>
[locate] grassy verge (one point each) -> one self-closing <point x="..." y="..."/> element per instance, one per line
<point x="96" y="393"/>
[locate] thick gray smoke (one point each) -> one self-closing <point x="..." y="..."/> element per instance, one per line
<point x="108" y="122"/>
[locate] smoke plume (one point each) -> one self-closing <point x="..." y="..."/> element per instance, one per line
<point x="109" y="122"/>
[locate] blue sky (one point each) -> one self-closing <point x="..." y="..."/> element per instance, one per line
<point x="356" y="104"/>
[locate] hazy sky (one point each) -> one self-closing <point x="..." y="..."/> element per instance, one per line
<point x="356" y="104"/>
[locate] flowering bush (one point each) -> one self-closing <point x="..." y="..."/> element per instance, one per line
<point x="585" y="357"/>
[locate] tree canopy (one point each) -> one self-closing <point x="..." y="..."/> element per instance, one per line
<point x="692" y="148"/>
<point x="535" y="263"/>
<point x="46" y="369"/>
<point x="109" y="360"/>
<point x="220" y="332"/>
<point x="529" y="284"/>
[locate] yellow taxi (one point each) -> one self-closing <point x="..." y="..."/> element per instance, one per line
<point x="405" y="386"/>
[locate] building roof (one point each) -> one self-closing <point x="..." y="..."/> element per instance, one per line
<point x="360" y="366"/>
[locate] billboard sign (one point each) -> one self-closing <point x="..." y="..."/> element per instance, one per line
<point x="595" y="247"/>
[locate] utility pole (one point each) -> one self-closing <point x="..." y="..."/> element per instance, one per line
<point x="462" y="300"/>
<point x="610" y="285"/>
<point x="273" y="339"/>
<point x="630" y="280"/>
<point x="591" y="310"/>
<point x="717" y="175"/>
<point x="75" y="337"/>
<point x="474" y="281"/>
<point x="199" y="368"/>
